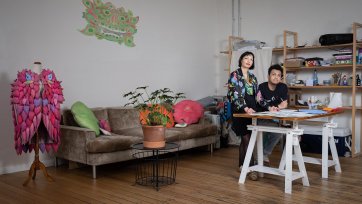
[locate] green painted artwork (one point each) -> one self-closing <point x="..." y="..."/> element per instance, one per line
<point x="105" y="21"/>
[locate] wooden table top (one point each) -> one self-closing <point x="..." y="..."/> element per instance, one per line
<point x="328" y="114"/>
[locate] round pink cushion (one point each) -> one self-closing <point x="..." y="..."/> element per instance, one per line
<point x="188" y="111"/>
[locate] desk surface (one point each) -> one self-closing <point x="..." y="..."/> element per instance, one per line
<point x="286" y="118"/>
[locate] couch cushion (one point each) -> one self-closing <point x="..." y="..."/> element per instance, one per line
<point x="120" y="118"/>
<point x="111" y="143"/>
<point x="85" y="117"/>
<point x="172" y="135"/>
<point x="197" y="130"/>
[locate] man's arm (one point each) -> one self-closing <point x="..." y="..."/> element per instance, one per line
<point x="284" y="97"/>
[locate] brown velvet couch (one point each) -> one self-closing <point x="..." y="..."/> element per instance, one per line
<point x="82" y="146"/>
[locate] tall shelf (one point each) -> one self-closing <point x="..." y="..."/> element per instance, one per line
<point x="354" y="68"/>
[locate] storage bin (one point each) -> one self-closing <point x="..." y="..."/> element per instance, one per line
<point x="311" y="140"/>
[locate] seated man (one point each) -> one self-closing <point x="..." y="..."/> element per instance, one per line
<point x="272" y="96"/>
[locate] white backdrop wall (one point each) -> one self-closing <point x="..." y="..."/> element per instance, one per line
<point x="177" y="46"/>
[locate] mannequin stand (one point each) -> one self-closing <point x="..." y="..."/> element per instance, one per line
<point x="37" y="165"/>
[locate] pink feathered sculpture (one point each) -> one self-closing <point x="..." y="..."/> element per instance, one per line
<point x="188" y="111"/>
<point x="35" y="101"/>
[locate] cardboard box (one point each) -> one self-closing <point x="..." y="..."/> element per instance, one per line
<point x="294" y="62"/>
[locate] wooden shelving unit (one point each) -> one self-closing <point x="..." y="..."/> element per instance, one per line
<point x="354" y="67"/>
<point x="320" y="87"/>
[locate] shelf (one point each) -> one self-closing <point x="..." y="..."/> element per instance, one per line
<point x="320" y="87"/>
<point x="332" y="67"/>
<point x="352" y="91"/>
<point x="274" y="50"/>
<point x="343" y="107"/>
<point x="359" y="44"/>
<point x="350" y="107"/>
<point x="278" y="49"/>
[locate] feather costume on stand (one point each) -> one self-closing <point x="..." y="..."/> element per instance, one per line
<point x="35" y="100"/>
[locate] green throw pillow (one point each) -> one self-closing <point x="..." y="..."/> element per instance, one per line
<point x="85" y="117"/>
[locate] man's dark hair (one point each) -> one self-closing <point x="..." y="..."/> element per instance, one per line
<point x="276" y="67"/>
<point x="245" y="54"/>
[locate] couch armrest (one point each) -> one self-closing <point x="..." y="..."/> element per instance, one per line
<point x="73" y="142"/>
<point x="205" y="120"/>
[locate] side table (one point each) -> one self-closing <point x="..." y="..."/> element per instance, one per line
<point x="156" y="166"/>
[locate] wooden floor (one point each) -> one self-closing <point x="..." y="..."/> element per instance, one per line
<point x="201" y="178"/>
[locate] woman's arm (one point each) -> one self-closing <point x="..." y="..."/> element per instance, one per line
<point x="235" y="93"/>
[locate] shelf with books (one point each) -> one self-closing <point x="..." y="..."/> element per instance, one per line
<point x="332" y="67"/>
<point x="354" y="68"/>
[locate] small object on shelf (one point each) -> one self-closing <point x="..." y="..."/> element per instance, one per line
<point x="344" y="81"/>
<point x="327" y="82"/>
<point x="299" y="83"/>
<point x="336" y="78"/>
<point x="312" y="62"/>
<point x="358" y="80"/>
<point x="336" y="38"/>
<point x="350" y="81"/>
<point x="315" y="78"/>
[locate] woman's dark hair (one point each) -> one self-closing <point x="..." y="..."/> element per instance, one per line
<point x="276" y="67"/>
<point x="245" y="54"/>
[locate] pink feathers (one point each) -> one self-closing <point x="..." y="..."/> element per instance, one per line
<point x="36" y="102"/>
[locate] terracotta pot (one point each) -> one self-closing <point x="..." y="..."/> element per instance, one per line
<point x="153" y="136"/>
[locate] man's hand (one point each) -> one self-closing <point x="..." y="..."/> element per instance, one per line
<point x="273" y="109"/>
<point x="283" y="104"/>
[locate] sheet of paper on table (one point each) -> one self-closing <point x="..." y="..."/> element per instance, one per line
<point x="292" y="113"/>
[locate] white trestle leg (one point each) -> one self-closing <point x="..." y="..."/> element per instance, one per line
<point x="287" y="158"/>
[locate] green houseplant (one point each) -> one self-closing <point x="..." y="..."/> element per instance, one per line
<point x="156" y="109"/>
<point x="156" y="103"/>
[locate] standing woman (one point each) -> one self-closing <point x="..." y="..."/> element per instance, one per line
<point x="242" y="90"/>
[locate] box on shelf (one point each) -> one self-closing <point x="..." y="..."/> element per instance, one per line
<point x="312" y="62"/>
<point x="294" y="62"/>
<point x="311" y="140"/>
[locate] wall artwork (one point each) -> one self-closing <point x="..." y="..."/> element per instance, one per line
<point x="105" y="21"/>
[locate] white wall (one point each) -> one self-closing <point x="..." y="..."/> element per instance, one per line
<point x="266" y="20"/>
<point x="177" y="46"/>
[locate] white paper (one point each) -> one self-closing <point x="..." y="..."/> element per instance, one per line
<point x="335" y="100"/>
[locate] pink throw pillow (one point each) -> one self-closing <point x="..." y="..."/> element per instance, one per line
<point x="188" y="111"/>
<point x="104" y="125"/>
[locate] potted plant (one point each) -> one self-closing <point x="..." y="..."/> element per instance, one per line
<point x="156" y="112"/>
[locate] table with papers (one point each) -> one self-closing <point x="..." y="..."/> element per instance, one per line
<point x="292" y="142"/>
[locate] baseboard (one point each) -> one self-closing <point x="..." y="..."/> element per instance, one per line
<point x="25" y="166"/>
